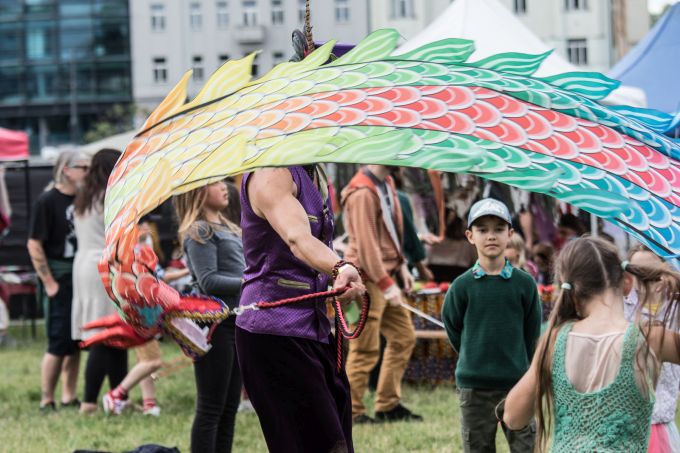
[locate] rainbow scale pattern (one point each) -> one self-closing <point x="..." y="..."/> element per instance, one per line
<point x="429" y="108"/>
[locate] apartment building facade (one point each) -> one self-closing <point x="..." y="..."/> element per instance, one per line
<point x="171" y="36"/>
<point x="589" y="33"/>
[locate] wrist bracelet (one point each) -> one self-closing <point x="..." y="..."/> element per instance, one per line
<point x="340" y="266"/>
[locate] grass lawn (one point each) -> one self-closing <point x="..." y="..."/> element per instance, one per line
<point x="24" y="429"/>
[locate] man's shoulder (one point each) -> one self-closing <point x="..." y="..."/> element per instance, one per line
<point x="359" y="193"/>
<point x="47" y="198"/>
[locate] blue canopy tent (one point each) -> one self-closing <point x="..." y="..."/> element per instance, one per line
<point x="654" y="65"/>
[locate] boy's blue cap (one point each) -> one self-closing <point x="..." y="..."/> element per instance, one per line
<point x="489" y="206"/>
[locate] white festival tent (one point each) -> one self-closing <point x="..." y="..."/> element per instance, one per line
<point x="494" y="29"/>
<point x="118" y="141"/>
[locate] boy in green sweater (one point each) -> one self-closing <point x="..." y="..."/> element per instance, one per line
<point x="492" y="316"/>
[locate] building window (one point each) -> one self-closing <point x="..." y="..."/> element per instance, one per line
<point x="195" y="16"/>
<point x="249" y="12"/>
<point x="574" y="5"/>
<point x="277" y="57"/>
<point x="40" y="39"/>
<point x="160" y="70"/>
<point x="223" y="58"/>
<point x="302" y="10"/>
<point x="157" y="17"/>
<point x="198" y="68"/>
<point x="341" y="11"/>
<point x="520" y="6"/>
<point x="401" y="9"/>
<point x="577" y="51"/>
<point x="256" y="68"/>
<point x="11" y="34"/>
<point x="222" y="15"/>
<point x="37" y="6"/>
<point x="277" y="12"/>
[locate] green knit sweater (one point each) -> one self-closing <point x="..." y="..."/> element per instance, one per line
<point x="614" y="419"/>
<point x="493" y="322"/>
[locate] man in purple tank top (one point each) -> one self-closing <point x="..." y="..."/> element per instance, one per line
<point x="286" y="354"/>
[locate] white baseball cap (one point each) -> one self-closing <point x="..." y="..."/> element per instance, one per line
<point x="489" y="206"/>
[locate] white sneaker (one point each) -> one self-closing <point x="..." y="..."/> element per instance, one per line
<point x="113" y="406"/>
<point x="154" y="411"/>
<point x="246" y="406"/>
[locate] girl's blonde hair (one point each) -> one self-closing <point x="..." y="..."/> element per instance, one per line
<point x="190" y="207"/>
<point x="591" y="266"/>
<point x="517" y="243"/>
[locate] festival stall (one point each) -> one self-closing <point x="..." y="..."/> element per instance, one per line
<point x="16" y="277"/>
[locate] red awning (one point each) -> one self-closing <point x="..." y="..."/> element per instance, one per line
<point x="13" y="145"/>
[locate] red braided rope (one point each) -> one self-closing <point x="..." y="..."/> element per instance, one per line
<point x="342" y="329"/>
<point x="303" y="298"/>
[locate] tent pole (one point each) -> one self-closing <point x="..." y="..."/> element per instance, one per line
<point x="27" y="190"/>
<point x="593" y="226"/>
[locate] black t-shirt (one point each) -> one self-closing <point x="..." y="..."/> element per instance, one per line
<point x="52" y="224"/>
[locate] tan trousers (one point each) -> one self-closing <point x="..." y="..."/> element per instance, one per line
<point x="395" y="325"/>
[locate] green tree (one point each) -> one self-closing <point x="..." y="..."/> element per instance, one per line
<point x="117" y="119"/>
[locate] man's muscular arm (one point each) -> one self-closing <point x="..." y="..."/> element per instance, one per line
<point x="39" y="260"/>
<point x="272" y="194"/>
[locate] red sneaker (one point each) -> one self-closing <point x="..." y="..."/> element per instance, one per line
<point x="113" y="405"/>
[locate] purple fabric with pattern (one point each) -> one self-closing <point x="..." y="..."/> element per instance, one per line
<point x="274" y="273"/>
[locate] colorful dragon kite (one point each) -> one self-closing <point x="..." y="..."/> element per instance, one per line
<point x="428" y="108"/>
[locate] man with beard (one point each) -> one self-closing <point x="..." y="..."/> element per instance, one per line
<point x="52" y="246"/>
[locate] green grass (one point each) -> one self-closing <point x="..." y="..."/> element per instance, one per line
<point x="23" y="428"/>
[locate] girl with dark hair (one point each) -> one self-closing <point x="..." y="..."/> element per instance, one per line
<point x="214" y="250"/>
<point x="90" y="300"/>
<point x="592" y="379"/>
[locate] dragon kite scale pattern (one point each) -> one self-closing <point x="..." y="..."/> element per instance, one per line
<point x="428" y="108"/>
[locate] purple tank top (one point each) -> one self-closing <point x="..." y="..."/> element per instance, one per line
<point x="273" y="272"/>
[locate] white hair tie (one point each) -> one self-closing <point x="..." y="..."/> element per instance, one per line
<point x="566" y="286"/>
<point x="624" y="264"/>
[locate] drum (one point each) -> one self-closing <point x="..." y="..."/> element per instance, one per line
<point x="433" y="360"/>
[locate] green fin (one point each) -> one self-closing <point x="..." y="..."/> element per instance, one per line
<point x="376" y="46"/>
<point x="450" y="50"/>
<point x="653" y="119"/>
<point x="513" y="62"/>
<point x="592" y="85"/>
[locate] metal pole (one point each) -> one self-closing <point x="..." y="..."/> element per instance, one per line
<point x="609" y="31"/>
<point x="73" y="119"/>
<point x="593" y="226"/>
<point x="27" y="190"/>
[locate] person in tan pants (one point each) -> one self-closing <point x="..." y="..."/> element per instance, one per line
<point x="374" y="225"/>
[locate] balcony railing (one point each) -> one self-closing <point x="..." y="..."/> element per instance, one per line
<point x="249" y="34"/>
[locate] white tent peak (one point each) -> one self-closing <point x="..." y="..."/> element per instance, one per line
<point x="495" y="29"/>
<point x="117" y="141"/>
